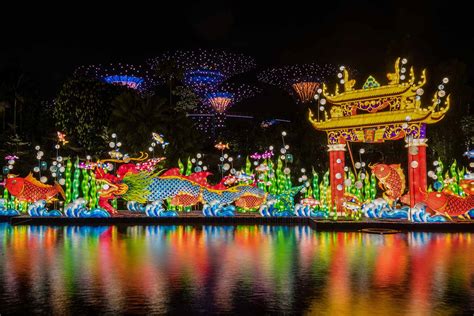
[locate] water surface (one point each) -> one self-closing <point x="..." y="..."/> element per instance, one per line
<point x="232" y="269"/>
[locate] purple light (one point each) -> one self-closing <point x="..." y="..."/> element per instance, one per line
<point x="265" y="155"/>
<point x="423" y="131"/>
<point x="128" y="81"/>
<point x="203" y="79"/>
<point x="298" y="80"/>
<point x="134" y="77"/>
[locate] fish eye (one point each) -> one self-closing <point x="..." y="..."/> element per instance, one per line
<point x="105" y="186"/>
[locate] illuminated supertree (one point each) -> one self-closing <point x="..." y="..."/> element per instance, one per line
<point x="202" y="69"/>
<point x="227" y="94"/>
<point x="135" y="77"/>
<point x="211" y="114"/>
<point x="302" y="81"/>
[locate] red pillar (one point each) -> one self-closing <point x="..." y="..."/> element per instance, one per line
<point x="336" y="171"/>
<point x="417" y="181"/>
<point x="423" y="174"/>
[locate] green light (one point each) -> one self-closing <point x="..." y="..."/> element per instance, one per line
<point x="68" y="182"/>
<point x="75" y="182"/>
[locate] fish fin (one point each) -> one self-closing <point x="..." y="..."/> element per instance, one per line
<point x="173" y="172"/>
<point x="401" y="174"/>
<point x="35" y="182"/>
<point x="447" y="215"/>
<point x="60" y="189"/>
<point x="199" y="177"/>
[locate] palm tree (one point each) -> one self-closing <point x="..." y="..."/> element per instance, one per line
<point x="134" y="119"/>
<point x="170" y="71"/>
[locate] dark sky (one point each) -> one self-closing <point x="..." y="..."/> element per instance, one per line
<point x="50" y="42"/>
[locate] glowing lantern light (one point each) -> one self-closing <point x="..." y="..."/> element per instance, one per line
<point x="203" y="78"/>
<point x="302" y="81"/>
<point x="305" y="90"/>
<point x="134" y="77"/>
<point x="220" y="101"/>
<point x="127" y="81"/>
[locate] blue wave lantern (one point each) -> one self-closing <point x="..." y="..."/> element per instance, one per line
<point x="156" y="209"/>
<point x="78" y="208"/>
<point x="38" y="209"/>
<point x="5" y="211"/>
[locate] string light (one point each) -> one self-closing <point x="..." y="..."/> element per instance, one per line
<point x="302" y="81"/>
<point x="204" y="69"/>
<point x="136" y="77"/>
<point x="212" y="113"/>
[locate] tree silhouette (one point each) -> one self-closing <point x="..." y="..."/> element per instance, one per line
<point x="82" y="109"/>
<point x="134" y="119"/>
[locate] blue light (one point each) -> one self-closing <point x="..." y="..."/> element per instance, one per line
<point x="203" y="77"/>
<point x="213" y="95"/>
<point x="124" y="80"/>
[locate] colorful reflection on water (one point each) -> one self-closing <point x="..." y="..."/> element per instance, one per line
<point x="232" y="269"/>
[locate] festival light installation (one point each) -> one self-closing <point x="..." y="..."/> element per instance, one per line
<point x="202" y="79"/>
<point x="226" y="95"/>
<point x="136" y="77"/>
<point x="211" y="115"/>
<point x="205" y="69"/>
<point x="301" y="81"/>
<point x="220" y="101"/>
<point x="376" y="113"/>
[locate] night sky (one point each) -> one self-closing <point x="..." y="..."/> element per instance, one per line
<point x="50" y="42"/>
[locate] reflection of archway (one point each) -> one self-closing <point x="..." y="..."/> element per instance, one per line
<point x="374" y="114"/>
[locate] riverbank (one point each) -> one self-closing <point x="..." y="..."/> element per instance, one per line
<point x="316" y="224"/>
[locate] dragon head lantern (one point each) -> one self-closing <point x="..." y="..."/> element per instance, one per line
<point x="130" y="182"/>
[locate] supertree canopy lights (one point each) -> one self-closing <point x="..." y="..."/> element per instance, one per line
<point x="305" y="90"/>
<point x="129" y="81"/>
<point x="212" y="113"/>
<point x="202" y="79"/>
<point x="219" y="100"/>
<point x="205" y="69"/>
<point x="135" y="77"/>
<point x="224" y="96"/>
<point x="302" y="81"/>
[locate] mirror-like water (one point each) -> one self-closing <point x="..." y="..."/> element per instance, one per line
<point x="232" y="269"/>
